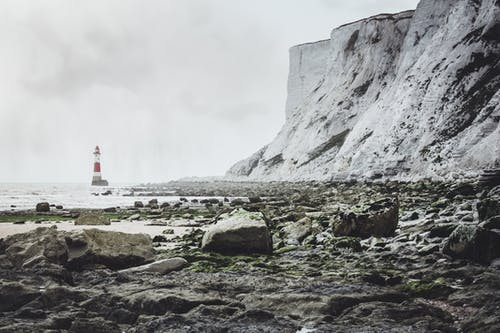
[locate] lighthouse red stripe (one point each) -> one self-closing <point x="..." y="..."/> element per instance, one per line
<point x="97" y="167"/>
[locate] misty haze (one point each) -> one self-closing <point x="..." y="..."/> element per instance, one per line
<point x="249" y="166"/>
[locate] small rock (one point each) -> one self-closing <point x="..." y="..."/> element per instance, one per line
<point x="236" y="202"/>
<point x="295" y="232"/>
<point x="473" y="242"/>
<point x="161" y="266"/>
<point x="442" y="230"/>
<point x="351" y="243"/>
<point x="134" y="217"/>
<point x="492" y="223"/>
<point x="380" y="219"/>
<point x="138" y="204"/>
<point x="428" y="249"/>
<point x="254" y="199"/>
<point x="42" y="207"/>
<point x="159" y="239"/>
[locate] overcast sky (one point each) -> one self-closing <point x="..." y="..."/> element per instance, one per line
<point x="167" y="88"/>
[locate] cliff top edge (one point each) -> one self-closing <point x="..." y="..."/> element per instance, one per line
<point x="407" y="14"/>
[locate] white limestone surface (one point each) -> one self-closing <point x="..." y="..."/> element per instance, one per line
<point x="404" y="96"/>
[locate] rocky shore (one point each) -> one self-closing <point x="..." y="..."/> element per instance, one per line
<point x="263" y="257"/>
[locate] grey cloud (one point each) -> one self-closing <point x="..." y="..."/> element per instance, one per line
<point x="167" y="88"/>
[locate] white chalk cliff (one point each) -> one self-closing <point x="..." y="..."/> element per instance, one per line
<point x="409" y="95"/>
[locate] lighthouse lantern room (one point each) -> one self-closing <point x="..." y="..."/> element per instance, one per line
<point x="97" y="178"/>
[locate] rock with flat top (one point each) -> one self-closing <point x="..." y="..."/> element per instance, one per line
<point x="78" y="250"/>
<point x="92" y="218"/>
<point x="239" y="231"/>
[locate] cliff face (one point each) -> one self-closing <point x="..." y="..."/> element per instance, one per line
<point x="410" y="95"/>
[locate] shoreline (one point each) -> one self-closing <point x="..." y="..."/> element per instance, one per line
<point x="347" y="257"/>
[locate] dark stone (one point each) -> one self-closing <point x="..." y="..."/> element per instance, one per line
<point x="13" y="295"/>
<point x="42" y="207"/>
<point x="62" y="322"/>
<point x="122" y="316"/>
<point x="138" y="204"/>
<point x="487" y="208"/>
<point x="379" y="220"/>
<point x="492" y="223"/>
<point x="413" y="216"/>
<point x="461" y="189"/>
<point x="159" y="239"/>
<point x="442" y="230"/>
<point x="254" y="199"/>
<point x="351" y="243"/>
<point x="473" y="242"/>
<point x="237" y="202"/>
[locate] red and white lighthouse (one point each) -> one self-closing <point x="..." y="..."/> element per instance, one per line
<point x="97" y="178"/>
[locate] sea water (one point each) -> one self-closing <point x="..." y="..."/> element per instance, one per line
<point x="20" y="196"/>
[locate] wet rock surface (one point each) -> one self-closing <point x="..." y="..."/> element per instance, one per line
<point x="77" y="250"/>
<point x="433" y="271"/>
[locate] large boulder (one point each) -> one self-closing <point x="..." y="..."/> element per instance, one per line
<point x="238" y="232"/>
<point x="473" y="242"/>
<point x="92" y="218"/>
<point x="79" y="249"/>
<point x="115" y="250"/>
<point x="42" y="207"/>
<point x="42" y="243"/>
<point x="379" y="219"/>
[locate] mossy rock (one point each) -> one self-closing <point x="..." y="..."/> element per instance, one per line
<point x="437" y="288"/>
<point x="343" y="243"/>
